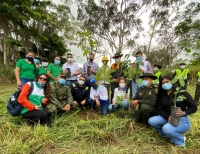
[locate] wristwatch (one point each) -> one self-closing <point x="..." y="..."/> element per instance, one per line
<point x="184" y="113"/>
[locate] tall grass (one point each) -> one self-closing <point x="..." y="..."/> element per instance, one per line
<point x="84" y="132"/>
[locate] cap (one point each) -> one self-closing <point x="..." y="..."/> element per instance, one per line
<point x="93" y="80"/>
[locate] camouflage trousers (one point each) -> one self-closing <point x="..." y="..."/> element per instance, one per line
<point x="53" y="110"/>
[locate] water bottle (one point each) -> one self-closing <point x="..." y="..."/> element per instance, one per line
<point x="12" y="98"/>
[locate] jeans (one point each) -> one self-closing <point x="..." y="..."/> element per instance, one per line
<point x="124" y="104"/>
<point x="69" y="83"/>
<point x="25" y="80"/>
<point x="166" y="129"/>
<point x="104" y="106"/>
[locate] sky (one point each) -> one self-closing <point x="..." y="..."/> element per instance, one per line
<point x="76" y="51"/>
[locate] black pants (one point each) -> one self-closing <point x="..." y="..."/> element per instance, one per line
<point x="36" y="116"/>
<point x="197" y="93"/>
<point x="142" y="115"/>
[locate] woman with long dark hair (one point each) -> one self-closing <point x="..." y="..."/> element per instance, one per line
<point x="34" y="103"/>
<point x="25" y="70"/>
<point x="165" y="100"/>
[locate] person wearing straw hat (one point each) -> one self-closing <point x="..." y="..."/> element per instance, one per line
<point x="145" y="98"/>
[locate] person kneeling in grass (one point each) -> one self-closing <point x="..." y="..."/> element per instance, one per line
<point x="61" y="97"/>
<point x="98" y="97"/>
<point x="33" y="104"/>
<point x="120" y="98"/>
<point x="165" y="100"/>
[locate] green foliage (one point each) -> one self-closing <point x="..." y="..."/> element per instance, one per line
<point x="104" y="73"/>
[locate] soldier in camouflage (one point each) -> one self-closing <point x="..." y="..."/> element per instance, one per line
<point x="146" y="99"/>
<point x="61" y="97"/>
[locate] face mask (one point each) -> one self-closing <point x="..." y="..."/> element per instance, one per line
<point x="91" y="60"/>
<point x="81" y="82"/>
<point x="94" y="86"/>
<point x="30" y="58"/>
<point x="57" y="62"/>
<point x="62" y="81"/>
<point x="44" y="64"/>
<point x="105" y="62"/>
<point x="69" y="59"/>
<point x="155" y="69"/>
<point x="138" y="58"/>
<point x="117" y="60"/>
<point x="167" y="86"/>
<point x="36" y="61"/>
<point x="145" y="83"/>
<point x="41" y="85"/>
<point x="121" y="85"/>
<point x="182" y="66"/>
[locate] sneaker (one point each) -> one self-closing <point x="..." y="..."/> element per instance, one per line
<point x="182" y="145"/>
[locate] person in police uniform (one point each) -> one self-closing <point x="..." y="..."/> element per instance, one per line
<point x="61" y="98"/>
<point x="183" y="72"/>
<point x="116" y="72"/>
<point x="197" y="91"/>
<point x="145" y="98"/>
<point x="80" y="92"/>
<point x="156" y="72"/>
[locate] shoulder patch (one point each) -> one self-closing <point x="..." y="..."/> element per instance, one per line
<point x="73" y="85"/>
<point x="86" y="88"/>
<point x="156" y="90"/>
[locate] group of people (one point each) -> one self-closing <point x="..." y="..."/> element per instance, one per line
<point x="58" y="89"/>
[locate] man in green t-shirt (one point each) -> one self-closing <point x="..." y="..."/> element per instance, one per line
<point x="54" y="70"/>
<point x="43" y="67"/>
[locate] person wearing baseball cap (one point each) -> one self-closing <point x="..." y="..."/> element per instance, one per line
<point x="98" y="97"/>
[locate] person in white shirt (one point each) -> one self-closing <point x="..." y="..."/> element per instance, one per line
<point x="98" y="97"/>
<point x="71" y="69"/>
<point x="121" y="96"/>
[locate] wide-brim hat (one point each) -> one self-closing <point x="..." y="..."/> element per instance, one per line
<point x="117" y="54"/>
<point x="183" y="62"/>
<point x="158" y="66"/>
<point x="150" y="75"/>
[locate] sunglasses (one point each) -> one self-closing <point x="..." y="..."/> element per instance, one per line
<point x="44" y="79"/>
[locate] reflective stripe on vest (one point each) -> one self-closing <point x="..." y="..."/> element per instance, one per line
<point x="156" y="81"/>
<point x="182" y="74"/>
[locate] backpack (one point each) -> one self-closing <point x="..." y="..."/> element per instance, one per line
<point x="14" y="107"/>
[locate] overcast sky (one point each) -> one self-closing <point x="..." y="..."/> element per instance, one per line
<point x="76" y="51"/>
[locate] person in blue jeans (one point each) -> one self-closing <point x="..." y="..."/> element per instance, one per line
<point x="165" y="101"/>
<point x="98" y="97"/>
<point x="120" y="98"/>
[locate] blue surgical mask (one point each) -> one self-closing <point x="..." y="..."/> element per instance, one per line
<point x="36" y="61"/>
<point x="167" y="86"/>
<point x="145" y="83"/>
<point x="62" y="81"/>
<point x="155" y="69"/>
<point x="138" y="58"/>
<point x="117" y="60"/>
<point x="57" y="62"/>
<point x="182" y="66"/>
<point x="41" y="85"/>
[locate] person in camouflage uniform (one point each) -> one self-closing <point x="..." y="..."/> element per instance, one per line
<point x="146" y="99"/>
<point x="61" y="97"/>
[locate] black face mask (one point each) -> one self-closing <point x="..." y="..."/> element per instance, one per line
<point x="94" y="86"/>
<point x="30" y="58"/>
<point x="91" y="60"/>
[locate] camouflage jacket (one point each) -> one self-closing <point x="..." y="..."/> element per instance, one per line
<point x="60" y="94"/>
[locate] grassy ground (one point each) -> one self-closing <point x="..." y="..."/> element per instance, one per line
<point x="86" y="132"/>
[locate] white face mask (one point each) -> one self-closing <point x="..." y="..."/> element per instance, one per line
<point x="81" y="82"/>
<point x="121" y="85"/>
<point x="44" y="64"/>
<point x="69" y="59"/>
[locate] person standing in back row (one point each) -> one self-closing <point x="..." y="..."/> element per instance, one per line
<point x="25" y="70"/>
<point x="54" y="70"/>
<point x="71" y="69"/>
<point x="156" y="71"/>
<point x="90" y="69"/>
